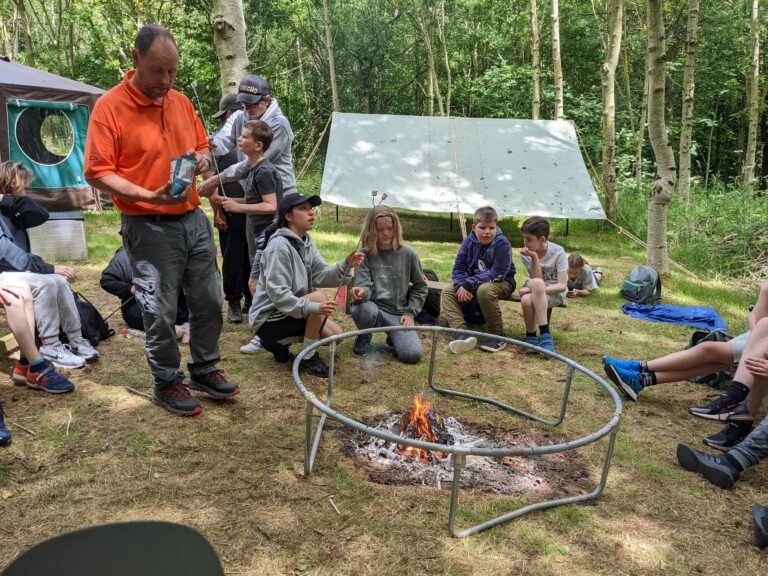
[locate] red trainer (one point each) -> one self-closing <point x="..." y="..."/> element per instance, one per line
<point x="19" y="374"/>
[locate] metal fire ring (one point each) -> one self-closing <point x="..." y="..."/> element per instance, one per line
<point x="459" y="453"/>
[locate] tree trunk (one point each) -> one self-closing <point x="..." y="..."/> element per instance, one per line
<point x="229" y="39"/>
<point x="753" y="99"/>
<point x="536" y="62"/>
<point x="445" y="57"/>
<point x="608" y="75"/>
<point x="664" y="185"/>
<point x="331" y="60"/>
<point x="640" y="142"/>
<point x="558" y="67"/>
<point x="686" y="126"/>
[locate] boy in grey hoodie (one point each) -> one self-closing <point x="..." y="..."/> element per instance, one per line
<point x="286" y="303"/>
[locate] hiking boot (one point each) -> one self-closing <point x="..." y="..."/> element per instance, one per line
<point x="760" y="525"/>
<point x="61" y="356"/>
<point x="48" y="380"/>
<point x="631" y="365"/>
<point x="547" y="341"/>
<point x="5" y="434"/>
<point x="723" y="409"/>
<point x="19" y="373"/>
<point x="493" y="345"/>
<point x="234" y="312"/>
<point x="716" y="469"/>
<point x="176" y="399"/>
<point x="253" y="347"/>
<point x="628" y="382"/>
<point x="362" y="346"/>
<point x="314" y="366"/>
<point x="462" y="344"/>
<point x="533" y="341"/>
<point x="215" y="384"/>
<point x="83" y="348"/>
<point x="728" y="437"/>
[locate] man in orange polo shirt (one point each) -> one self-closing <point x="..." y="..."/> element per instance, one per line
<point x="135" y="130"/>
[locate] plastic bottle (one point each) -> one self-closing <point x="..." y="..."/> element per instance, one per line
<point x="133" y="334"/>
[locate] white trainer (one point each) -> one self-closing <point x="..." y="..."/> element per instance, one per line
<point x="462" y="344"/>
<point x="253" y="347"/>
<point x="61" y="356"/>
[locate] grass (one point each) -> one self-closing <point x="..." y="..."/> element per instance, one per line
<point x="103" y="454"/>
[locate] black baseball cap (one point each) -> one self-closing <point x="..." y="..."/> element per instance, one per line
<point x="228" y="102"/>
<point x="252" y="89"/>
<point x="289" y="201"/>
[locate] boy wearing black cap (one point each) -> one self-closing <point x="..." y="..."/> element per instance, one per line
<point x="287" y="303"/>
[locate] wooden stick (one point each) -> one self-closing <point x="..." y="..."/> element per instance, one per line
<point x="20" y="427"/>
<point x="69" y="421"/>
<point x="138" y="392"/>
<point x="335" y="507"/>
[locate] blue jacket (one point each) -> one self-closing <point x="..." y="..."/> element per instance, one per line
<point x="477" y="264"/>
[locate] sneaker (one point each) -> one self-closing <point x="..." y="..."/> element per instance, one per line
<point x="533" y="341"/>
<point x="388" y="342"/>
<point x="628" y="382"/>
<point x="215" y="384"/>
<point x="48" y="380"/>
<point x="253" y="347"/>
<point x="176" y="399"/>
<point x="631" y="365"/>
<point x="728" y="437"/>
<point x="716" y="469"/>
<point x="723" y="409"/>
<point x="362" y="346"/>
<point x="760" y="525"/>
<point x="60" y="355"/>
<point x="493" y="345"/>
<point x="234" y="312"/>
<point x="314" y="366"/>
<point x="462" y="344"/>
<point x="5" y="434"/>
<point x="83" y="348"/>
<point x="19" y="373"/>
<point x="547" y="341"/>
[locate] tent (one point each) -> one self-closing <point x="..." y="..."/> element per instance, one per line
<point x="445" y="164"/>
<point x="43" y="122"/>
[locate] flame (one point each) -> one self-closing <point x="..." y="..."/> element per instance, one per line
<point x="415" y="424"/>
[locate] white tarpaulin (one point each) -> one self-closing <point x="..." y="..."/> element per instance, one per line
<point x="433" y="164"/>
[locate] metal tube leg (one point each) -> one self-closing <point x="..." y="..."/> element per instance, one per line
<point x="458" y="465"/>
<point x="308" y="441"/>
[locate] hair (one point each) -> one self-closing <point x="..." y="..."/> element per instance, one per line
<point x="485" y="214"/>
<point x="537" y="226"/>
<point x="147" y="36"/>
<point x="260" y="132"/>
<point x="368" y="235"/>
<point x="576" y="261"/>
<point x="14" y="178"/>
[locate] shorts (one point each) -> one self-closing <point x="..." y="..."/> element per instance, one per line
<point x="553" y="300"/>
<point x="280" y="329"/>
<point x="737" y="346"/>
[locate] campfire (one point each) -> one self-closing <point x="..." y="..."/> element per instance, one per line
<point x="420" y="422"/>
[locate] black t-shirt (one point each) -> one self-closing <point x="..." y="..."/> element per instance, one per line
<point x="262" y="180"/>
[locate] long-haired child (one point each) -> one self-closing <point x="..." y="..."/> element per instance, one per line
<point x="581" y="278"/>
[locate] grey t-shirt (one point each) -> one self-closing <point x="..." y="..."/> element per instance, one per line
<point x="554" y="261"/>
<point x="584" y="281"/>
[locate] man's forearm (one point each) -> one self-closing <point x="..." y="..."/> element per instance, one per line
<point x="122" y="188"/>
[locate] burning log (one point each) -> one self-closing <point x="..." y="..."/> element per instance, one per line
<point x="422" y="423"/>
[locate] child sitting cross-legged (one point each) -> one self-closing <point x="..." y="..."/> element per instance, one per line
<point x="389" y="286"/>
<point x="483" y="274"/>
<point x="547" y="267"/>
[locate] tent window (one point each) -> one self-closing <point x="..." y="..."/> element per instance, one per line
<point x="46" y="136"/>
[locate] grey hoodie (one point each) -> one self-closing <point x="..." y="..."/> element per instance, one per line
<point x="290" y="268"/>
<point x="279" y="152"/>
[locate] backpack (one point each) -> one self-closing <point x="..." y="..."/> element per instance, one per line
<point x="430" y="312"/>
<point x="92" y="323"/>
<point x="717" y="379"/>
<point x="642" y="286"/>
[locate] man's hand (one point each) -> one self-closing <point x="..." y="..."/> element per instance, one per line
<point x="358" y="293"/>
<point x="464" y="295"/>
<point x="354" y="259"/>
<point x="327" y="307"/>
<point x="67" y="271"/>
<point x="406" y="320"/>
<point x="231" y="205"/>
<point x="209" y="188"/>
<point x="202" y="161"/>
<point x="163" y="195"/>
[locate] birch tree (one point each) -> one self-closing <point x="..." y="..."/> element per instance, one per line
<point x="753" y="98"/>
<point x="664" y="184"/>
<point x="229" y="39"/>
<point x="331" y="59"/>
<point x="535" y="53"/>
<point x="608" y="77"/>
<point x="686" y="125"/>
<point x="557" y="64"/>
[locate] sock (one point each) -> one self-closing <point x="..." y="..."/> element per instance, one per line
<point x="23" y="360"/>
<point x="38" y="365"/>
<point x="736" y="392"/>
<point x="648" y="378"/>
<point x="544" y="329"/>
<point x="530" y="334"/>
<point x="307" y="343"/>
<point x="734" y="462"/>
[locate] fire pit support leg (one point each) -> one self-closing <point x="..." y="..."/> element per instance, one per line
<point x="458" y="460"/>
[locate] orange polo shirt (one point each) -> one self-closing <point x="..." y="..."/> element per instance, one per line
<point x="134" y="137"/>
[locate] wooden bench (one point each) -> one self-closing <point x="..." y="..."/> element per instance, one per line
<point x="8" y="343"/>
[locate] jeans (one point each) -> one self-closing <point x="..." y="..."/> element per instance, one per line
<point x="407" y="344"/>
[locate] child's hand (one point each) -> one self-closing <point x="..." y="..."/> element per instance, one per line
<point x="757" y="366"/>
<point x="327" y="307"/>
<point x="530" y="253"/>
<point x="406" y="320"/>
<point x="358" y="293"/>
<point x="231" y="205"/>
<point x="464" y="295"/>
<point x="524" y="290"/>
<point x="571" y="294"/>
<point x="354" y="259"/>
